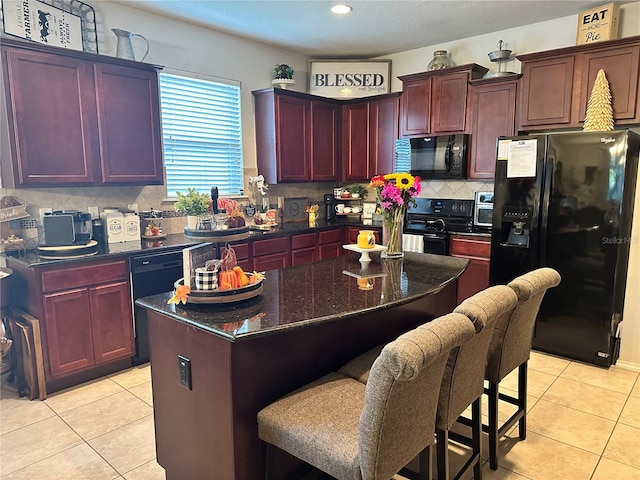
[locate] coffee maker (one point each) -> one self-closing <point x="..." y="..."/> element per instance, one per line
<point x="329" y="208"/>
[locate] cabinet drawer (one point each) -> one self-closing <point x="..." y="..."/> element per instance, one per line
<point x="478" y="247"/>
<point x="241" y="249"/>
<point x="330" y="236"/>
<point x="83" y="275"/>
<point x="304" y="240"/>
<point x="272" y="245"/>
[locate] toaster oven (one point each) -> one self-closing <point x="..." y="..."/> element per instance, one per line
<point x="483" y="210"/>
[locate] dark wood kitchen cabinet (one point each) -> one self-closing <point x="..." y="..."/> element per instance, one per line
<point x="369" y="130"/>
<point x="271" y="254"/>
<point x="478" y="250"/>
<point x="330" y="244"/>
<point x="77" y="118"/>
<point x="556" y="85"/>
<point x="85" y="316"/>
<point x="492" y="105"/>
<point x="435" y="102"/>
<point x="304" y="248"/>
<point x="297" y="136"/>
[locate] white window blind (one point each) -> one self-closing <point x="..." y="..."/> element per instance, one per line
<point x="201" y="132"/>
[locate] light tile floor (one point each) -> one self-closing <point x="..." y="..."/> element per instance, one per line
<point x="583" y="423"/>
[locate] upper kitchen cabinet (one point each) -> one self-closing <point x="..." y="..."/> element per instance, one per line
<point x="556" y="84"/>
<point x="492" y="105"/>
<point x="77" y="118"/>
<point x="435" y="102"/>
<point x="369" y="132"/>
<point x="296" y="136"/>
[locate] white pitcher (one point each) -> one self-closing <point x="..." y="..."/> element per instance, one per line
<point x="124" y="49"/>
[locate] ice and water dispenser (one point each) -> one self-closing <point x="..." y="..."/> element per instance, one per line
<point x="516" y="226"/>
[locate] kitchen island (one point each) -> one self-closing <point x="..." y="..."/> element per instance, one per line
<point x="309" y="320"/>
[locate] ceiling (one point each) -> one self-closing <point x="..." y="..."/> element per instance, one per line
<point x="373" y="28"/>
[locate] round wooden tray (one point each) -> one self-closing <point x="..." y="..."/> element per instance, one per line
<point x="60" y="251"/>
<point x="222" y="296"/>
<point x="218" y="236"/>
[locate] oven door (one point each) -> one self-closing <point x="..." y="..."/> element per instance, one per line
<point x="436" y="243"/>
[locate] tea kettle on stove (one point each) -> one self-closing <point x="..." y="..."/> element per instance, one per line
<point x="124" y="48"/>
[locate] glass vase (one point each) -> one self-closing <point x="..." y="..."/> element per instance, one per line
<point x="392" y="234"/>
<point x="439" y="61"/>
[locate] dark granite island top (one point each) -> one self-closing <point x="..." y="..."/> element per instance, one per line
<point x="302" y="295"/>
<point x="309" y="320"/>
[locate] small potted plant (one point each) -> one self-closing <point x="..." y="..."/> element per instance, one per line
<point x="357" y="191"/>
<point x="283" y="75"/>
<point x="192" y="204"/>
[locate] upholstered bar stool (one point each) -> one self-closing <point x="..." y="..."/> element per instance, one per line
<point x="357" y="431"/>
<point x="510" y="348"/>
<point x="463" y="379"/>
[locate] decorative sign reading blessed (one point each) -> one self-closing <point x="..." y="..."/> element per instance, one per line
<point x="349" y="79"/>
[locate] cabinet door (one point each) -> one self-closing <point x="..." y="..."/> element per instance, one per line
<point x="545" y="98"/>
<point x="292" y="139"/>
<point x="355" y="141"/>
<point x="621" y="68"/>
<point x="331" y="250"/>
<point x="416" y="107"/>
<point x="474" y="279"/>
<point x="383" y="132"/>
<point x="304" y="255"/>
<point x="129" y="123"/>
<point x="112" y="321"/>
<point x="51" y="113"/>
<point x="449" y="103"/>
<point x="324" y="142"/>
<point x="68" y="331"/>
<point x="271" y="262"/>
<point x="493" y="114"/>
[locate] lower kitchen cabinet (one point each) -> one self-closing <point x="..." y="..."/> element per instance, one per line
<point x="330" y="244"/>
<point x="85" y="315"/>
<point x="304" y="248"/>
<point x="271" y="254"/>
<point x="478" y="250"/>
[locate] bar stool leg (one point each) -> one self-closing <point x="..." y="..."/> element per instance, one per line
<point x="522" y="400"/>
<point x="493" y="425"/>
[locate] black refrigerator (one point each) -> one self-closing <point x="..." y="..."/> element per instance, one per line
<point x="565" y="200"/>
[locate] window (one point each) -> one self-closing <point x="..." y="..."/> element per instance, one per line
<point x="201" y="134"/>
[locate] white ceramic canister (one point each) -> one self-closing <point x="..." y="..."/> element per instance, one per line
<point x="131" y="227"/>
<point x="113" y="224"/>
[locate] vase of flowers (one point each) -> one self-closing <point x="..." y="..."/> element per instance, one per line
<point x="395" y="192"/>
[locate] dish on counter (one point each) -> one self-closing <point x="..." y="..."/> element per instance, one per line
<point x="223" y="296"/>
<point x="264" y="226"/>
<point x="153" y="237"/>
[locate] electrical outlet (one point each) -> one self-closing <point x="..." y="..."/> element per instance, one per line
<point x="94" y="212"/>
<point x="184" y="372"/>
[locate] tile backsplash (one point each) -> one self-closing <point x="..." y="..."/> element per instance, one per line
<point x="81" y="198"/>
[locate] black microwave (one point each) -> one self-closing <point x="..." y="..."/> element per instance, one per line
<point x="433" y="158"/>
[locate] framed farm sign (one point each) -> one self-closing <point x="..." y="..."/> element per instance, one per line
<point x="349" y="78"/>
<point x="39" y="22"/>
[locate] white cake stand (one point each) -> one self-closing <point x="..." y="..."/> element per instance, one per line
<point x="364" y="257"/>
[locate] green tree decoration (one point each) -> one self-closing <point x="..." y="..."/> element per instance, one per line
<point x="599" y="115"/>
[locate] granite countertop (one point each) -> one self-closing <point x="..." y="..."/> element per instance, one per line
<point x="297" y="296"/>
<point x="174" y="241"/>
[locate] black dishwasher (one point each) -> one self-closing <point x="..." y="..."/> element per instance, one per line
<point x="151" y="273"/>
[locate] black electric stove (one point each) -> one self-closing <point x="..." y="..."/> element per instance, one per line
<point x="433" y="219"/>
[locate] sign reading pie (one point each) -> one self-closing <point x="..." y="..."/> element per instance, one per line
<point x="598" y="24"/>
<point x="349" y="79"/>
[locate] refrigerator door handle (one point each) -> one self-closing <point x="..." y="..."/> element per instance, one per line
<point x="547" y="185"/>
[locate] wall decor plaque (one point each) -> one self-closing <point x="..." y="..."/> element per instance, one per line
<point x="598" y="24"/>
<point x="39" y="22"/>
<point x="349" y="78"/>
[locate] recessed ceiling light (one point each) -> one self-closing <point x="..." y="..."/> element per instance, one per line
<point x="341" y="9"/>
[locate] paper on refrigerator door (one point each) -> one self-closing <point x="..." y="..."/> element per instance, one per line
<point x="521" y="161"/>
